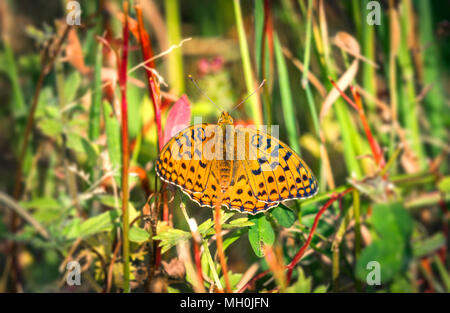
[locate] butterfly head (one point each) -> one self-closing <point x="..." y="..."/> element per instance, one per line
<point x="225" y="118"/>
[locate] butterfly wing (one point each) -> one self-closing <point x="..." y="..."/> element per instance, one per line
<point x="276" y="173"/>
<point x="240" y="196"/>
<point x="207" y="197"/>
<point x="267" y="173"/>
<point x="186" y="159"/>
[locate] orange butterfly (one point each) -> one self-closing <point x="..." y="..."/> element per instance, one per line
<point x="244" y="168"/>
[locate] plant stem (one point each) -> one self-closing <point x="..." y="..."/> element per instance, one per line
<point x="410" y="110"/>
<point x="219" y="242"/>
<point x="125" y="154"/>
<point x="368" y="50"/>
<point x="357" y="229"/>
<point x="253" y="102"/>
<point x="211" y="264"/>
<point x="96" y="103"/>
<point x="302" y="250"/>
<point x="176" y="77"/>
<point x="286" y="97"/>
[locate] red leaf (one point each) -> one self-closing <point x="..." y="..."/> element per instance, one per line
<point x="179" y="117"/>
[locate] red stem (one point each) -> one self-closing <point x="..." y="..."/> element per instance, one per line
<point x="376" y="150"/>
<point x="125" y="147"/>
<point x="374" y="146"/>
<point x="290" y="267"/>
<point x="198" y="262"/>
<point x="147" y="53"/>
<point x="153" y="88"/>
<point x="300" y="253"/>
<point x="267" y="32"/>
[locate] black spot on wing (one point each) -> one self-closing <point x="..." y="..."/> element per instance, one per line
<point x="257" y="171"/>
<point x="262" y="160"/>
<point x="287" y="156"/>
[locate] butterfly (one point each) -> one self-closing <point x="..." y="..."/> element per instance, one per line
<point x="244" y="168"/>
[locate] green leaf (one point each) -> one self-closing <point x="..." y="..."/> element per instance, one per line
<point x="320" y="289"/>
<point x="387" y="254"/>
<point x="392" y="220"/>
<point x="232" y="238"/>
<point x="260" y="233"/>
<point x="401" y="284"/>
<point x="82" y="145"/>
<point x="71" y="84"/>
<point x="96" y="224"/>
<point x="234" y="279"/>
<point x="110" y="201"/>
<point x="41" y="203"/>
<point x="172" y="290"/>
<point x="207" y="227"/>
<point x="444" y="185"/>
<point x="113" y="141"/>
<point x="50" y="127"/>
<point x="392" y="249"/>
<point x="170" y="238"/>
<point x="285" y="216"/>
<point x="138" y="234"/>
<point x="72" y="229"/>
<point x="429" y="245"/>
<point x="304" y="284"/>
<point x="46" y="209"/>
<point x="237" y="223"/>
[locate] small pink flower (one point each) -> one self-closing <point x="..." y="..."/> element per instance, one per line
<point x="203" y="67"/>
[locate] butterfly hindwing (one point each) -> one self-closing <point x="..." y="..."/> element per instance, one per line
<point x="208" y="196"/>
<point x="241" y="196"/>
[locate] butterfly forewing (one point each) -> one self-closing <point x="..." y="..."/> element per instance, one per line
<point x="276" y="173"/>
<point x="186" y="158"/>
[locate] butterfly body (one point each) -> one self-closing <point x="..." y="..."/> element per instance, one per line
<point x="242" y="168"/>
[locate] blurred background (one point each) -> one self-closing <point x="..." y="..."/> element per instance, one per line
<point x="385" y="146"/>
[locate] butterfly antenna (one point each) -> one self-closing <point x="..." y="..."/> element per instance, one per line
<point x="253" y="92"/>
<point x="203" y="93"/>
